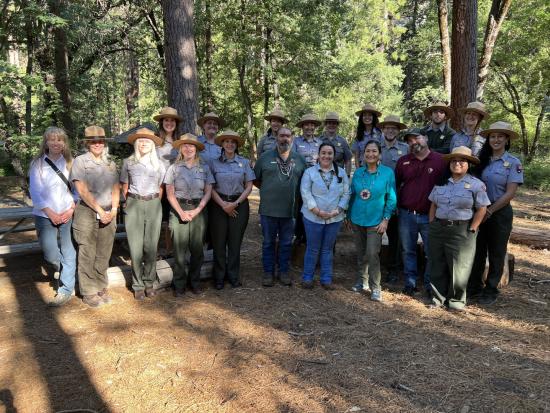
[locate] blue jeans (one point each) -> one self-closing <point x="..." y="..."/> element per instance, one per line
<point x="410" y="225"/>
<point x="320" y="241"/>
<point x="273" y="227"/>
<point x="62" y="255"/>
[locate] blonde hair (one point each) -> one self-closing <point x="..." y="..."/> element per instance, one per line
<point x="51" y="132"/>
<point x="151" y="156"/>
<point x="179" y="158"/>
<point x="105" y="158"/>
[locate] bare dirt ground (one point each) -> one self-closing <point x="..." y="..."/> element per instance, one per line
<point x="278" y="349"/>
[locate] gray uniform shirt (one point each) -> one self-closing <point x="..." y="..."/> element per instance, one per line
<point x="308" y="149"/>
<point x="231" y="175"/>
<point x="343" y="152"/>
<point x="167" y="154"/>
<point x="390" y="154"/>
<point x="141" y="178"/>
<point x="267" y="143"/>
<point x="456" y="200"/>
<point x="98" y="176"/>
<point x="463" y="139"/>
<point x="210" y="152"/>
<point x="189" y="183"/>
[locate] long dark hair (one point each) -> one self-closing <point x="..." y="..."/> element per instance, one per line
<point x="334" y="164"/>
<point x="485" y="156"/>
<point x="360" y="135"/>
<point x="223" y="152"/>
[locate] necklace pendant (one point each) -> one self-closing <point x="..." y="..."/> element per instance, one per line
<point x="365" y="194"/>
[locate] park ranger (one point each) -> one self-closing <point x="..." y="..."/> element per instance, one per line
<point x="330" y="135"/>
<point x="438" y="131"/>
<point x="307" y="144"/>
<point x="472" y="116"/>
<point x="453" y="229"/>
<point x="268" y="142"/>
<point x="210" y="124"/>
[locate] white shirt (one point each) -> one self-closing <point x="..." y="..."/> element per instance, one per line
<point x="47" y="189"/>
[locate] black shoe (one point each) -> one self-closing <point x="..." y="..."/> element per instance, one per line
<point x="487" y="299"/>
<point x="236" y="284"/>
<point x="179" y="292"/>
<point x="408" y="290"/>
<point x="219" y="285"/>
<point x="392" y="277"/>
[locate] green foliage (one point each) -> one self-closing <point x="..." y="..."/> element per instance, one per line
<point x="537" y="174"/>
<point x="23" y="148"/>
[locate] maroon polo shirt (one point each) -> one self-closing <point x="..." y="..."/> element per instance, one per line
<point x="415" y="180"/>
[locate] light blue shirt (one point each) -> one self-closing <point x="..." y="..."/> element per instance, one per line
<point x="372" y="196"/>
<point x="211" y="150"/>
<point x="463" y="139"/>
<point x="456" y="200"/>
<point x="315" y="194"/>
<point x="231" y="175"/>
<point x="499" y="173"/>
<point x="391" y="154"/>
<point x="359" y="146"/>
<point x="308" y="149"/>
<point x="267" y="143"/>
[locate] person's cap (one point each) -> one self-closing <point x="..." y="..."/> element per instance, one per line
<point x="367" y="107"/>
<point x="308" y="118"/>
<point x="412" y="132"/>
<point x="439" y="105"/>
<point x="276" y="114"/>
<point x="332" y="116"/>
<point x="476" y="107"/>
<point x="94" y="132"/>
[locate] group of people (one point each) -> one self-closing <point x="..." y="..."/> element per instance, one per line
<point x="452" y="188"/>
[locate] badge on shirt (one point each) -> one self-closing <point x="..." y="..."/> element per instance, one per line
<point x="240" y="165"/>
<point x="442" y="137"/>
<point x="400" y="152"/>
<point x="467" y="185"/>
<point x="430" y="170"/>
<point x="201" y="170"/>
<point x="506" y="164"/>
<point x="338" y="144"/>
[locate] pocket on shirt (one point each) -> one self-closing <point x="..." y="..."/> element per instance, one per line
<point x="464" y="200"/>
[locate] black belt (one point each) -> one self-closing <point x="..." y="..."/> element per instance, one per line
<point x="106" y="209"/>
<point x="449" y="222"/>
<point x="229" y="198"/>
<point x="143" y="198"/>
<point x="194" y="201"/>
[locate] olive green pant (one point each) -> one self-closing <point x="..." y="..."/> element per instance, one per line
<point x="188" y="237"/>
<point x="226" y="234"/>
<point x="492" y="242"/>
<point x="451" y="254"/>
<point x="95" y="245"/>
<point x="368" y="243"/>
<point x="143" y="222"/>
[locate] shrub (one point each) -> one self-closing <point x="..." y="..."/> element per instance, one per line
<point x="537" y="174"/>
<point x="22" y="149"/>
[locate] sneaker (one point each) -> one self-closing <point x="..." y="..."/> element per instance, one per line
<point x="376" y="295"/>
<point x="104" y="296"/>
<point x="139" y="295"/>
<point x="358" y="288"/>
<point x="307" y="285"/>
<point x="408" y="290"/>
<point x="267" y="279"/>
<point x="487" y="299"/>
<point x="92" y="300"/>
<point x="285" y="279"/>
<point x="56" y="275"/>
<point x="60" y="299"/>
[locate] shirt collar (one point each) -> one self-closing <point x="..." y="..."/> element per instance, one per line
<point x="440" y="129"/>
<point x="330" y="170"/>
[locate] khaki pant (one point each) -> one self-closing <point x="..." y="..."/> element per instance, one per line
<point x="368" y="243"/>
<point x="95" y="245"/>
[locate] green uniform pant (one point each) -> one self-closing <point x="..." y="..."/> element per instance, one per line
<point x="188" y="237"/>
<point x="95" y="245"/>
<point x="368" y="243"/>
<point x="492" y="240"/>
<point x="226" y="234"/>
<point x="451" y="254"/>
<point x="143" y="221"/>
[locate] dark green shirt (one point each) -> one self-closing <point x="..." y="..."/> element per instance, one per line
<point x="279" y="186"/>
<point x="439" y="140"/>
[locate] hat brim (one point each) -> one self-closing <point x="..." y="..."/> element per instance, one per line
<point x="406" y="136"/>
<point x="471" y="159"/>
<point x="161" y="116"/>
<point x="135" y="137"/>
<point x="360" y="112"/>
<point x="479" y="111"/>
<point x="315" y="122"/>
<point x="281" y="118"/>
<point x="219" y="140"/>
<point x="448" y="111"/>
<point x="400" y="125"/>
<point x="94" y="138"/>
<point x="511" y="134"/>
<point x="332" y="120"/>
<point x="179" y="142"/>
<point x="201" y="121"/>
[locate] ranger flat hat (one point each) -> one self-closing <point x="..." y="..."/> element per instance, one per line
<point x="333" y="116"/>
<point x="276" y="114"/>
<point x="308" y="118"/>
<point x="461" y="152"/>
<point x="476" y="107"/>
<point x="367" y="107"/>
<point x="144" y="133"/>
<point x="168" y="112"/>
<point x="439" y="105"/>
<point x="392" y="120"/>
<point x="190" y="139"/>
<point x="229" y="134"/>
<point x="211" y="116"/>
<point x="500" y="126"/>
<point x="94" y="132"/>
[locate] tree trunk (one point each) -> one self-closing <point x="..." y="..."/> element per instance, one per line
<point x="544" y="109"/>
<point x="266" y="32"/>
<point x="30" y="56"/>
<point x="132" y="87"/>
<point x="411" y="62"/>
<point x="463" y="56"/>
<point x="181" y="60"/>
<point x="152" y="21"/>
<point x="61" y="62"/>
<point x="499" y="10"/>
<point x="247" y="102"/>
<point x="208" y="51"/>
<point x="442" y="15"/>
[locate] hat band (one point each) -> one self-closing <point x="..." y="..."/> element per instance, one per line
<point x="95" y="137"/>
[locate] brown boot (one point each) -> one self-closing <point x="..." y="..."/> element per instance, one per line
<point x="92" y="300"/>
<point x="104" y="296"/>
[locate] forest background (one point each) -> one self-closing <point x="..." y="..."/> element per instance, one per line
<point x="111" y="63"/>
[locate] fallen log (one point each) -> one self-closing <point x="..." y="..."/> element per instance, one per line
<point x="533" y="238"/>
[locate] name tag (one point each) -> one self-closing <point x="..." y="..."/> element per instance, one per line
<point x="467" y="185"/>
<point x="430" y="170"/>
<point x="339" y="144"/>
<point x="406" y="163"/>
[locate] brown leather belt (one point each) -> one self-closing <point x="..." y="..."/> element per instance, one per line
<point x="143" y="198"/>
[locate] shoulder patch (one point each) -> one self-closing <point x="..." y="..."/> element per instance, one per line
<point x="519" y="168"/>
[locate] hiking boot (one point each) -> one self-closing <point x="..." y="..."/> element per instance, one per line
<point x="285" y="279"/>
<point x="328" y="286"/>
<point x="359" y="288"/>
<point x="92" y="300"/>
<point x="105" y="297"/>
<point x="376" y="295"/>
<point x="60" y="299"/>
<point x="392" y="277"/>
<point x="179" y="292"/>
<point x="307" y="285"/>
<point x="196" y="290"/>
<point x="267" y="279"/>
<point x="139" y="295"/>
<point x="150" y="292"/>
<point x="409" y="290"/>
<point x="487" y="299"/>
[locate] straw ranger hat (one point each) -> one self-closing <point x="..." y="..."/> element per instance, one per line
<point x="229" y="134"/>
<point x="211" y="116"/>
<point x="439" y="105"/>
<point x="94" y="132"/>
<point x="190" y="139"/>
<point x="308" y="118"/>
<point x="369" y="108"/>
<point x="333" y="116"/>
<point x="392" y="120"/>
<point x="462" y="152"/>
<point x="500" y="126"/>
<point x="276" y="114"/>
<point x="476" y="107"/>
<point x="144" y="133"/>
<point x="168" y="112"/>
